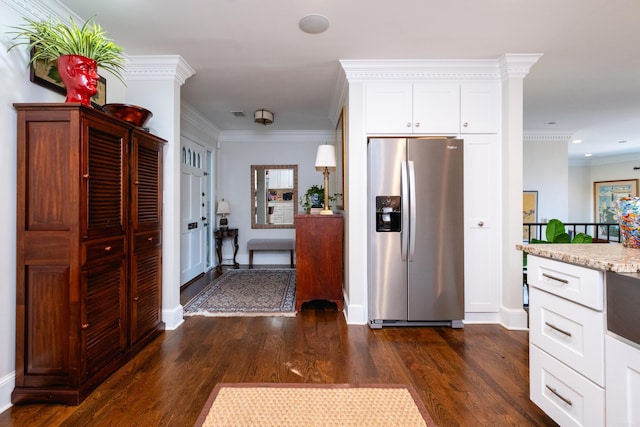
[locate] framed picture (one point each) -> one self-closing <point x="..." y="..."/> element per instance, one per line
<point x="340" y="150"/>
<point x="606" y="194"/>
<point x="529" y="213"/>
<point x="46" y="74"/>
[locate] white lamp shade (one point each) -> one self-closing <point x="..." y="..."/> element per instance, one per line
<point x="326" y="157"/>
<point x="223" y="208"/>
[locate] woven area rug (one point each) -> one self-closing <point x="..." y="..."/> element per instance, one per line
<point x="267" y="292"/>
<point x="271" y="404"/>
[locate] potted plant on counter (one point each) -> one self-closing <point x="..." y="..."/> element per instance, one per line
<point x="313" y="200"/>
<point x="78" y="51"/>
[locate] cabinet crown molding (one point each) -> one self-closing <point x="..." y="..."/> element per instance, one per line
<point x="158" y="67"/>
<point x="427" y="69"/>
<point x="517" y="65"/>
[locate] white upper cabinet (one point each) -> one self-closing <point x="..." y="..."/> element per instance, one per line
<point x="389" y="108"/>
<point x="280" y="178"/>
<point x="480" y="107"/>
<point x="432" y="108"/>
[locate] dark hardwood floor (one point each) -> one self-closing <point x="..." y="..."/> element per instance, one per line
<point x="477" y="376"/>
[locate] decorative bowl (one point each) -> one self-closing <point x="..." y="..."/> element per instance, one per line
<point x="629" y="220"/>
<point x="129" y="113"/>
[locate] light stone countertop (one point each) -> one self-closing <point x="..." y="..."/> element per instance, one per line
<point x="599" y="256"/>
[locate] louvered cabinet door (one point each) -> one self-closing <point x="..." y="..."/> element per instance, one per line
<point x="104" y="191"/>
<point x="146" y="182"/>
<point x="145" y="268"/>
<point x="104" y="318"/>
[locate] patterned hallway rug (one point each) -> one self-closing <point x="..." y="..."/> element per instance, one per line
<point x="268" y="292"/>
<point x="271" y="404"/>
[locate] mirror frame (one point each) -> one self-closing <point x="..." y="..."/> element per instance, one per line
<point x="252" y="197"/>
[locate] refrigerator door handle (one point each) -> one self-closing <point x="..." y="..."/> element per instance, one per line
<point x="412" y="211"/>
<point x="404" y="235"/>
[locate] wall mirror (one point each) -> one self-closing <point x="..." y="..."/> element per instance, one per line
<point x="274" y="190"/>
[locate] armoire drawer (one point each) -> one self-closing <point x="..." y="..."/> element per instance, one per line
<point x="98" y="251"/>
<point x="144" y="241"/>
<point x="566" y="396"/>
<point x="570" y="332"/>
<point x="580" y="284"/>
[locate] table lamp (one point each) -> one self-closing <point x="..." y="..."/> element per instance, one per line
<point x="326" y="161"/>
<point x="224" y="210"/>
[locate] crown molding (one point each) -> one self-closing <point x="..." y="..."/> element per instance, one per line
<point x="547" y="136"/>
<point x="604" y="160"/>
<point x="293" y="136"/>
<point x="199" y="129"/>
<point x="517" y="65"/>
<point x="42" y="10"/>
<point x="158" y="67"/>
<point x="339" y="96"/>
<point x="427" y="69"/>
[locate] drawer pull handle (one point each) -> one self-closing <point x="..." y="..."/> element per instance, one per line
<point x="561" y="397"/>
<point x="149" y="239"/>
<point x="85" y="326"/>
<point x="557" y="279"/>
<point x="107" y="248"/>
<point x="555" y="328"/>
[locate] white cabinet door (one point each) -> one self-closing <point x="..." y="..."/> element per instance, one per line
<point x="275" y="178"/>
<point x="389" y="108"/>
<point x="623" y="383"/>
<point x="479" y="107"/>
<point x="482" y="230"/>
<point x="432" y="108"/>
<point x="436" y="108"/>
<point x="287" y="178"/>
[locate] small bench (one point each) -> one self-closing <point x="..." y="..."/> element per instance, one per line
<point x="270" y="245"/>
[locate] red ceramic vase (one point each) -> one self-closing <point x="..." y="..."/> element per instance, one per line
<point x="80" y="77"/>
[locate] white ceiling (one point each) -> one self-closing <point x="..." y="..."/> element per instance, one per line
<point x="250" y="54"/>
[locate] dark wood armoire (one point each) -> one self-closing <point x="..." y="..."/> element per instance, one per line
<point x="89" y="254"/>
<point x="319" y="271"/>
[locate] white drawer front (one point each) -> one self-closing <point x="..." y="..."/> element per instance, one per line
<point x="582" y="285"/>
<point x="566" y="396"/>
<point x="570" y="332"/>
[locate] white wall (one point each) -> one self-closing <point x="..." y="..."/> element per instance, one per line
<point x="545" y="170"/>
<point x="237" y="152"/>
<point x="565" y="188"/>
<point x="580" y="195"/>
<point x="583" y="176"/>
<point x="17" y="88"/>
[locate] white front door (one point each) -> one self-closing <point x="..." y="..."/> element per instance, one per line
<point x="192" y="210"/>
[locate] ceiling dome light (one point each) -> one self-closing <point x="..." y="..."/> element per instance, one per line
<point x="264" y="117"/>
<point x="314" y="24"/>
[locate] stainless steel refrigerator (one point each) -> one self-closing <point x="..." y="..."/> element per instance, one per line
<point x="416" y="232"/>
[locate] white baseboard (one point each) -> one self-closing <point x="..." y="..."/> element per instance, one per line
<point x="514" y="319"/>
<point x="7" y="384"/>
<point x="173" y="318"/>
<point x="354" y="313"/>
<point x="471" y="318"/>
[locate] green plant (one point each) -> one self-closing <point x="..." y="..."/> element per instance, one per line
<point x="47" y="40"/>
<point x="314" y="197"/>
<point x="556" y="233"/>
